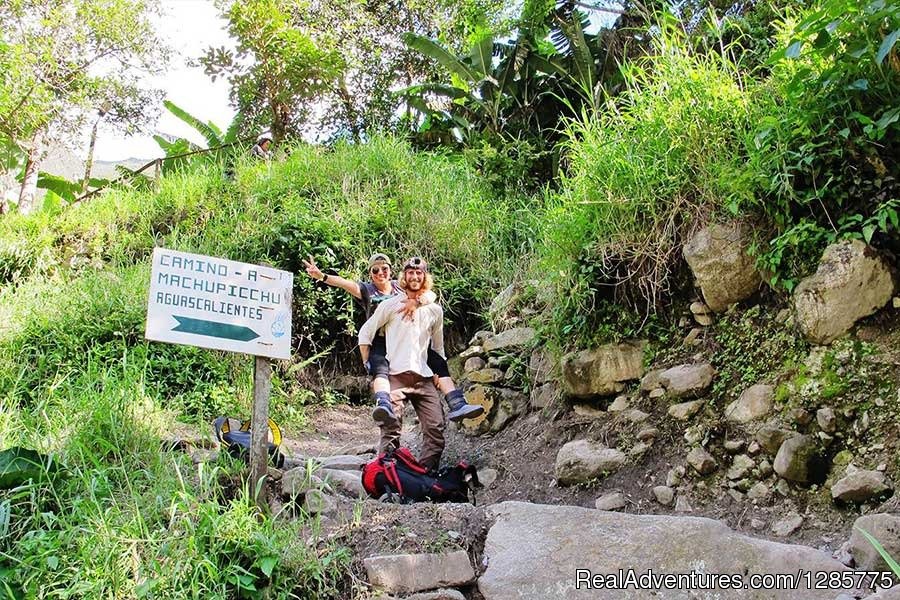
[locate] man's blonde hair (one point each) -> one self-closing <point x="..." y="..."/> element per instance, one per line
<point x="426" y="285"/>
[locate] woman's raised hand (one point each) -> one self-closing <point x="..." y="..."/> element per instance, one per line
<point x="311" y="269"/>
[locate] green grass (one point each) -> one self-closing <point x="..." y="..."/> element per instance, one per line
<point x="123" y="519"/>
<point x="655" y="161"/>
<point x="337" y="204"/>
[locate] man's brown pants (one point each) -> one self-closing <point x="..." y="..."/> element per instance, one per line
<point x="427" y="403"/>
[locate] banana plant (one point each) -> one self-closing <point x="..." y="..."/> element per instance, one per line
<point x="526" y="84"/>
<point x="182" y="153"/>
<point x="567" y="33"/>
<point x="492" y="85"/>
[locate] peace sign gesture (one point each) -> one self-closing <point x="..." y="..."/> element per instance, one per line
<point x="311" y="269"/>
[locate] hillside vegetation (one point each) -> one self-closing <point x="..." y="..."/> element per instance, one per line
<point x="79" y="382"/>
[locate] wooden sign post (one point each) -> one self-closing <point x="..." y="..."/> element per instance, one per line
<point x="225" y="305"/>
<point x="259" y="425"/>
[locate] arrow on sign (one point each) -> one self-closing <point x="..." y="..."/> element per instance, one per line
<point x="214" y="329"/>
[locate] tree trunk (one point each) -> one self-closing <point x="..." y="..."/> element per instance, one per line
<point x="349" y="109"/>
<point x="89" y="163"/>
<point x="29" y="182"/>
<point x="279" y="121"/>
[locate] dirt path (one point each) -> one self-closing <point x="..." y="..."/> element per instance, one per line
<point x="334" y="430"/>
<point x="524" y="453"/>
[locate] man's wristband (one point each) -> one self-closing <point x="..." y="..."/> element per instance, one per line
<point x="324" y="278"/>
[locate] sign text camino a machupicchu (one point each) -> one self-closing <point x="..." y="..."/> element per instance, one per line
<point x="221" y="304"/>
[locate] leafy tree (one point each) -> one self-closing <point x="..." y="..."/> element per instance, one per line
<point x="360" y="46"/>
<point x="280" y="65"/>
<point x="62" y="60"/>
<point x="370" y="35"/>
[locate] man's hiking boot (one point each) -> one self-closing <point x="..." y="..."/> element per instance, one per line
<point x="466" y="411"/>
<point x="460" y="409"/>
<point x="383" y="412"/>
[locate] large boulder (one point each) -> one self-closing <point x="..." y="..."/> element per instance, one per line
<point x="488" y="375"/>
<point x="718" y="257"/>
<point x="602" y="371"/>
<point x="770" y="437"/>
<point x="583" y="460"/>
<point x="852" y="282"/>
<point x="517" y="338"/>
<point x="883" y="527"/>
<point x="754" y="403"/>
<point x="344" y="462"/>
<point x="509" y="405"/>
<point x="547" y="552"/>
<point x="687" y="381"/>
<point x="348" y="483"/>
<point x="406" y="573"/>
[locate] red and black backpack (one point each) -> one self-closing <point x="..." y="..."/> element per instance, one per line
<point x="398" y="475"/>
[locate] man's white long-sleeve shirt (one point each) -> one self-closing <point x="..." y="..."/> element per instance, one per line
<point x="407" y="341"/>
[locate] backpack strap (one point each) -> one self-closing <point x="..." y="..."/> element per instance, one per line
<point x="470" y="480"/>
<point x="276" y="432"/>
<point x="409" y="461"/>
<point x="471" y="475"/>
<point x="385" y="465"/>
<point x="390" y="471"/>
<point x="222" y="427"/>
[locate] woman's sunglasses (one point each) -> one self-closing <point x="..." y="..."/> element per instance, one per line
<point x="376" y="270"/>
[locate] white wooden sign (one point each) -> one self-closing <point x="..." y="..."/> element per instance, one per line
<point x="221" y="304"/>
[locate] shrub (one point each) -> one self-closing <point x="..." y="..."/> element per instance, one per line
<point x="58" y="330"/>
<point x="824" y="157"/>
<point x="125" y="520"/>
<point x="641" y="173"/>
<point x="24" y="246"/>
<point x="337" y="204"/>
